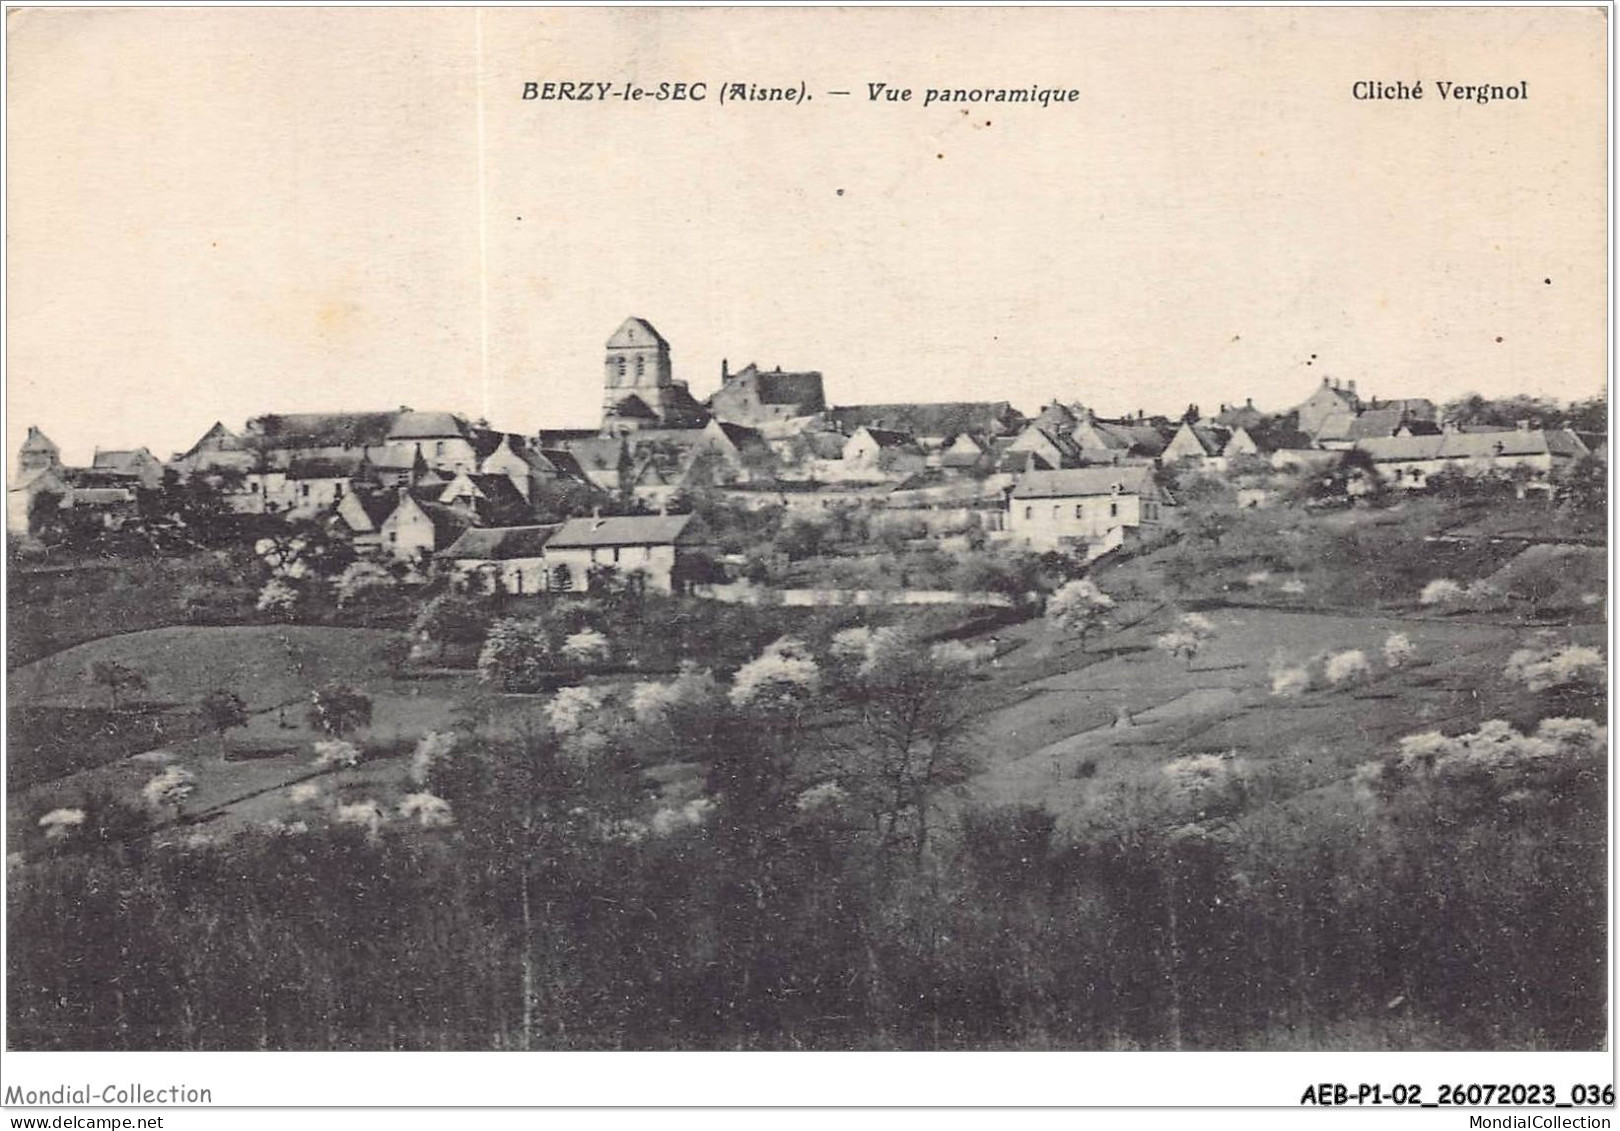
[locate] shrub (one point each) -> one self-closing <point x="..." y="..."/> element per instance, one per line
<point x="1441" y="591"/>
<point x="59" y="824"/>
<point x="1347" y="667"/>
<point x="1290" y="682"/>
<point x="277" y="598"/>
<point x="1398" y="650"/>
<point x="336" y="754"/>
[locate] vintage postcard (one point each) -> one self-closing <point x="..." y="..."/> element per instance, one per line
<point x="1073" y="532"/>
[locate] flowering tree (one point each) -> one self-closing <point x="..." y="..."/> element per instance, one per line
<point x="516" y="654"/>
<point x="1398" y="650"/>
<point x="1347" y="667"/>
<point x="1441" y="591"/>
<point x="586" y="649"/>
<point x="1191" y="632"/>
<point x="278" y="597"/>
<point x="783" y="677"/>
<point x="426" y="810"/>
<point x="572" y="709"/>
<point x="360" y="578"/>
<point x="59" y="824"/>
<point x="170" y="789"/>
<point x="1078" y="608"/>
<point x="337" y="754"/>
<point x="1290" y="682"/>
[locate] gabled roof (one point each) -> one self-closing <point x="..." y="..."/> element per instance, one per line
<point x="218" y="438"/>
<point x="1083" y="481"/>
<point x="1128" y="436"/>
<point x="486" y="443"/>
<point x="632" y="407"/>
<point x="448" y="522"/>
<point x="499" y="491"/>
<point x="1375" y="422"/>
<point x="375" y="505"/>
<point x="563" y="462"/>
<point x="1474" y="445"/>
<point x="1239" y="416"/>
<point x="1021" y="462"/>
<point x="625" y="530"/>
<point x="600" y="453"/>
<point x="946" y="418"/>
<point x="1212" y="440"/>
<point x="777" y="387"/>
<point x="500" y="543"/>
<point x="323" y="429"/>
<point x="412" y="425"/>
<point x="1056" y="418"/>
<point x="1278" y="435"/>
<point x="634" y="332"/>
<point x="98" y="496"/>
<point x="130" y="462"/>
<point x="548" y="438"/>
<point x="37" y="441"/>
<point x="887" y="438"/>
<point x="342" y="466"/>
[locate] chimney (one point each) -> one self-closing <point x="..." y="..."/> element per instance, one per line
<point x="1335" y="382"/>
<point x="1352" y="385"/>
<point x="725" y="371"/>
<point x="1324" y="382"/>
<point x="1248" y="402"/>
<point x="1522" y="425"/>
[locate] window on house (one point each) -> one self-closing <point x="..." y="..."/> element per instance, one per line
<point x="438" y="448"/>
<point x="619" y="361"/>
<point x="1113" y="510"/>
<point x="1079" y="510"/>
<point x="1056" y="511"/>
<point x="303" y="490"/>
<point x="337" y="490"/>
<point x="615" y="555"/>
<point x="641" y="367"/>
<point x="1029" y="512"/>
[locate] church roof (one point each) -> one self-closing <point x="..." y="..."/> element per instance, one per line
<point x="636" y="332"/>
<point x="324" y="429"/>
<point x="946" y="418"/>
<point x="777" y="387"/>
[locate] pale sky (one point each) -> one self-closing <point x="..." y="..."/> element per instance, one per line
<point x="220" y="213"/>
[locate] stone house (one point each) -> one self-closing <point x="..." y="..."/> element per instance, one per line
<point x="1093" y="509"/>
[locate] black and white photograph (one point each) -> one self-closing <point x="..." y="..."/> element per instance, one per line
<point x="843" y="530"/>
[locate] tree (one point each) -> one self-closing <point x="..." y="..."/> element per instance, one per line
<point x="517" y="654"/>
<point x="338" y="709"/>
<point x="915" y="734"/>
<point x="1191" y="633"/>
<point x="116" y="678"/>
<point x="1078" y="608"/>
<point x="1584" y="486"/>
<point x="224" y="711"/>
